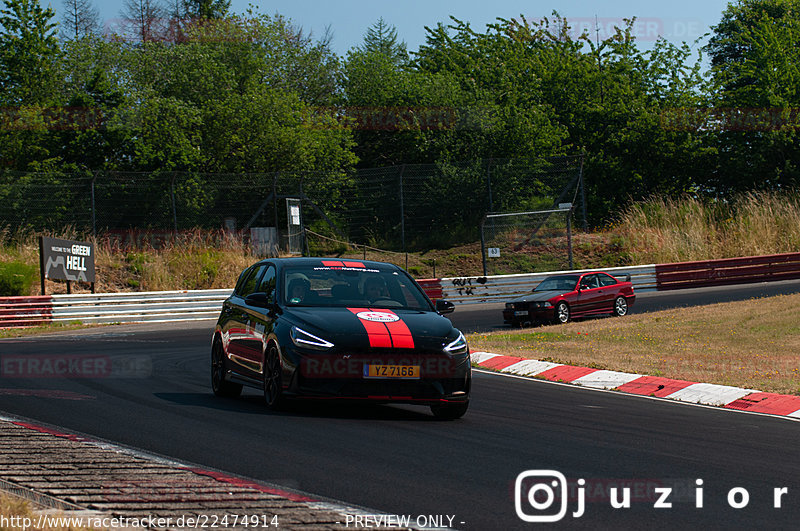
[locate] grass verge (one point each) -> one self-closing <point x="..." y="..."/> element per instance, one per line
<point x="18" y="514"/>
<point x="6" y="333"/>
<point x="751" y="344"/>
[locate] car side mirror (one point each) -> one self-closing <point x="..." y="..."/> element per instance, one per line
<point x="582" y="287"/>
<point x="443" y="306"/>
<point x="258" y="299"/>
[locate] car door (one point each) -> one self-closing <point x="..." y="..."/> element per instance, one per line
<point x="591" y="294"/>
<point x="260" y="318"/>
<point x="237" y="331"/>
<point x="610" y="290"/>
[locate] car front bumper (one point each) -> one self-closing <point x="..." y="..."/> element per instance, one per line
<point x="529" y="315"/>
<point x="441" y="379"/>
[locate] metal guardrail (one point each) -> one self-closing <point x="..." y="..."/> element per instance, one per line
<point x="25" y="311"/>
<point x="153" y="306"/>
<point x="500" y="288"/>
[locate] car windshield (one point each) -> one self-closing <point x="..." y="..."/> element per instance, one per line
<point x="351" y="285"/>
<point x="558" y="283"/>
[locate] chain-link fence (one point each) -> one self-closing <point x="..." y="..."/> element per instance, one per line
<point x="401" y="208"/>
<point x="540" y="239"/>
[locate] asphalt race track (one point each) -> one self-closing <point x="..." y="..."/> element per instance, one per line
<point x="399" y="460"/>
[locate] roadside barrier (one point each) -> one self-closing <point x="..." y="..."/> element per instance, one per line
<point x="25" y="311"/>
<point x="153" y="306"/>
<point x="728" y="271"/>
<point x="166" y="306"/>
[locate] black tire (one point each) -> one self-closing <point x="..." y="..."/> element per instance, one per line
<point x="449" y="411"/>
<point x="620" y="307"/>
<point x="273" y="384"/>
<point x="562" y="314"/>
<point x="219" y="385"/>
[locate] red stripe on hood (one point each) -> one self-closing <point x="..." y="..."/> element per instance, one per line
<point x="401" y="335"/>
<point x="376" y="332"/>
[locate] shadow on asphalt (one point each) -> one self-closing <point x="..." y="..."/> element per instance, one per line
<point x="342" y="409"/>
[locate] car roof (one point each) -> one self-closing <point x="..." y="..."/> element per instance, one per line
<point x="306" y="260"/>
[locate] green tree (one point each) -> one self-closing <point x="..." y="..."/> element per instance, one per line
<point x="234" y="103"/>
<point x="557" y="94"/>
<point x="206" y="9"/>
<point x="381" y="38"/>
<point x="29" y="54"/>
<point x="755" y="57"/>
<point x="28" y="51"/>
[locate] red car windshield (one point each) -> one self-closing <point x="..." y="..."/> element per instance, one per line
<point x="562" y="283"/>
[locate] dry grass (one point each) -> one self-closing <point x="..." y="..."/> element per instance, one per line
<point x="7" y="333"/>
<point x="752" y="344"/>
<point x="199" y="260"/>
<point x="14" y="512"/>
<point x="669" y="230"/>
<point x="14" y="506"/>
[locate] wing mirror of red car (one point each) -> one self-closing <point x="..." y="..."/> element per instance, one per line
<point x="443" y="306"/>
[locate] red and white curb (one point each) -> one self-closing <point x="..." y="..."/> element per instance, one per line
<point x="696" y="393"/>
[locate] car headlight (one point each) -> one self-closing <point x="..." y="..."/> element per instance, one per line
<point x="457" y="346"/>
<point x="303" y="339"/>
<point x="509" y="306"/>
<point x="543" y="305"/>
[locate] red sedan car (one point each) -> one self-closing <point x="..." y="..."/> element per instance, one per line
<point x="560" y="298"/>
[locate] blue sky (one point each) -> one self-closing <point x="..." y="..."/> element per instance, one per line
<point x="677" y="20"/>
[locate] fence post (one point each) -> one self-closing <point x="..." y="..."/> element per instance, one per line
<point x="275" y="207"/>
<point x="583" y="195"/>
<point x="489" y="184"/>
<point x="491" y="201"/>
<point x="569" y="237"/>
<point x="41" y="265"/>
<point x="174" y="207"/>
<point x="402" y="210"/>
<point x="483" y="243"/>
<point x="94" y="209"/>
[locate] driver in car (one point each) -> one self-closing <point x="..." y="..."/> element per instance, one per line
<point x="375" y="289"/>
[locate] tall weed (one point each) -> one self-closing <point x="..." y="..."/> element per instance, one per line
<point x="663" y="230"/>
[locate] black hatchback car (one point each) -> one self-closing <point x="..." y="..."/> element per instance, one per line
<point x="317" y="328"/>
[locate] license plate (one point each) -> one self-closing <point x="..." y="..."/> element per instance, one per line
<point x="391" y="371"/>
<point x="520" y="314"/>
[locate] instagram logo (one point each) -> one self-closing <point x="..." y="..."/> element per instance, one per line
<point x="540" y="496"/>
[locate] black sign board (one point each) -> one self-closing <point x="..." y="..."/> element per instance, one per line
<point x="66" y="260"/>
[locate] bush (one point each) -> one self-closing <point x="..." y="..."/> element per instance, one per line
<point x="17" y="278"/>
